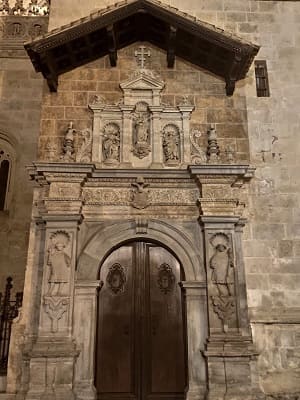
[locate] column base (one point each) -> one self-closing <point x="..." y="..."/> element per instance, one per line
<point x="85" y="391"/>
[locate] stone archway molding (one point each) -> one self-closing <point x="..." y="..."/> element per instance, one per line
<point x="109" y="237"/>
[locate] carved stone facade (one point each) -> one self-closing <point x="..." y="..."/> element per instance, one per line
<point x="129" y="154"/>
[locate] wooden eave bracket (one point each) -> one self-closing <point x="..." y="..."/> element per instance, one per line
<point x="238" y="59"/>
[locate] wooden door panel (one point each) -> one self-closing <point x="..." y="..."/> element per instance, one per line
<point x="166" y="340"/>
<point x="115" y="344"/>
<point x="140" y="340"/>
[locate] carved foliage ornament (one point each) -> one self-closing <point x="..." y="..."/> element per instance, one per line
<point x="116" y="278"/>
<point x="171" y="144"/>
<point x="166" y="278"/>
<point x="222" y="278"/>
<point x="55" y="307"/>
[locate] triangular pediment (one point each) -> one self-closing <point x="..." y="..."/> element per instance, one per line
<point x="142" y="80"/>
<point x="108" y="30"/>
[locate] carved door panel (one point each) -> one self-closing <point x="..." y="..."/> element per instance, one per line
<point x="140" y="341"/>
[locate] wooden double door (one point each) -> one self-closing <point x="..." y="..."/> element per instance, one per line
<point x="141" y="330"/>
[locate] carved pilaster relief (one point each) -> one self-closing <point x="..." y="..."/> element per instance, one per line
<point x="111" y="143"/>
<point x="56" y="299"/>
<point x="222" y="277"/>
<point x="141" y="138"/>
<point x="171" y="144"/>
<point x="58" y="262"/>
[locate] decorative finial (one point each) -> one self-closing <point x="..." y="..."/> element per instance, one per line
<point x="141" y="55"/>
<point x="212" y="148"/>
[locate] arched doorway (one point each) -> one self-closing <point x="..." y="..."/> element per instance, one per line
<point x="141" y="334"/>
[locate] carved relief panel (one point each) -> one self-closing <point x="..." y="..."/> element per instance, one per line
<point x="140" y="131"/>
<point x="58" y="273"/>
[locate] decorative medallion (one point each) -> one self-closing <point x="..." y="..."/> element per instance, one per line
<point x="140" y="198"/>
<point x="166" y="278"/>
<point x="116" y="278"/>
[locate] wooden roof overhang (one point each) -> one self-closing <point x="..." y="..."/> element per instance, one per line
<point x="108" y="30"/>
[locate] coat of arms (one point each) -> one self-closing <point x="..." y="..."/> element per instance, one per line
<point x="140" y="197"/>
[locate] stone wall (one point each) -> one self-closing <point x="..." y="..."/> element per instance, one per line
<point x="20" y="104"/>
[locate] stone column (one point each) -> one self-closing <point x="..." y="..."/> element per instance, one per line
<point x="157" y="151"/>
<point x="186" y="142"/>
<point x="127" y="135"/>
<point x="196" y="315"/>
<point x="52" y="355"/>
<point x="85" y="320"/>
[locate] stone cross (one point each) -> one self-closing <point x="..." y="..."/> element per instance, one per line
<point x="141" y="56"/>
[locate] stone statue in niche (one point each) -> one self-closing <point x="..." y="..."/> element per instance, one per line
<point x="222" y="278"/>
<point x="141" y="130"/>
<point x="171" y="142"/>
<point x="59" y="263"/>
<point x="111" y="143"/>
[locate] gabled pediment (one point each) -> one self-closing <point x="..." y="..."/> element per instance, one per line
<point x="142" y="80"/>
<point x="177" y="33"/>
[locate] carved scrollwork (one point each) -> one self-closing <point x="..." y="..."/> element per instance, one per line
<point x="171" y="144"/>
<point x="111" y="143"/>
<point x="198" y="155"/>
<point x="85" y="147"/>
<point x="166" y="278"/>
<point x="116" y="278"/>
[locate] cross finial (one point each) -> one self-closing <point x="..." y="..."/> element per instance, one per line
<point x="141" y="55"/>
